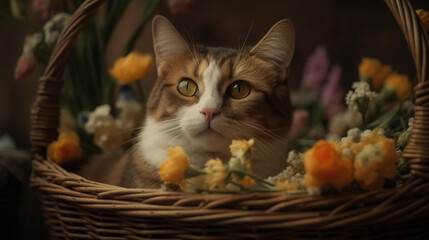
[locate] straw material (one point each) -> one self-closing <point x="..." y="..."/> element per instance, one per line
<point x="76" y="208"/>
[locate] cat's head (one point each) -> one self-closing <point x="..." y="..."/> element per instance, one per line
<point x="205" y="97"/>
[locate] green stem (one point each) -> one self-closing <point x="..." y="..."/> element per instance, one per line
<point x="193" y="172"/>
<point x="248" y="189"/>
<point x="259" y="179"/>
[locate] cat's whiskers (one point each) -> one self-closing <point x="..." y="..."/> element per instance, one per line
<point x="264" y="146"/>
<point x="261" y="146"/>
<point x="262" y="130"/>
<point x="241" y="48"/>
<point x="193" y="50"/>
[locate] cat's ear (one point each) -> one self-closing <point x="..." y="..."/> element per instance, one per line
<point x="278" y="45"/>
<point x="167" y="41"/>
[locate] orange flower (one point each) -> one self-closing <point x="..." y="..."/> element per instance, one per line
<point x="374" y="70"/>
<point x="173" y="169"/>
<point x="400" y="83"/>
<point x="376" y="162"/>
<point x="323" y="164"/>
<point x="66" y="148"/>
<point x="132" y="67"/>
<point x="424" y="16"/>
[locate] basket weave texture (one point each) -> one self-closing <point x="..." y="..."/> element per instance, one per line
<point x="76" y="208"/>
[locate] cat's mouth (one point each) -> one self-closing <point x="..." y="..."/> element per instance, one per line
<point x="209" y="131"/>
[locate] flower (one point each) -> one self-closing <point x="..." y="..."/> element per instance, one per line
<point x="99" y="112"/>
<point x="324" y="164"/>
<point x="403" y="138"/>
<point x="132" y="67"/>
<point x="299" y="122"/>
<point x="241" y="151"/>
<point x="247" y="181"/>
<point x="343" y="121"/>
<point x="24" y="66"/>
<point x="424" y="17"/>
<point x="286" y="186"/>
<point x="375" y="163"/>
<point x="216" y="175"/>
<point x="374" y="72"/>
<point x="296" y="161"/>
<point x="104" y="127"/>
<point x="31" y="43"/>
<point x="360" y="97"/>
<point x="131" y="114"/>
<point x="333" y="93"/>
<point x="173" y="169"/>
<point x="53" y="27"/>
<point x="375" y="159"/>
<point x="315" y="70"/>
<point x="400" y="83"/>
<point x="66" y="148"/>
<point x="181" y="6"/>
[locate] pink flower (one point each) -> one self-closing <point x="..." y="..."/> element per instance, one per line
<point x="45" y="7"/>
<point x="24" y="66"/>
<point x="181" y="6"/>
<point x="333" y="93"/>
<point x="315" y="70"/>
<point x="300" y="120"/>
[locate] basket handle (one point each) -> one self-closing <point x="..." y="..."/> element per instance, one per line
<point x="417" y="149"/>
<point x="46" y="110"/>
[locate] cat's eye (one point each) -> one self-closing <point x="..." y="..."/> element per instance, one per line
<point x="239" y="90"/>
<point x="187" y="87"/>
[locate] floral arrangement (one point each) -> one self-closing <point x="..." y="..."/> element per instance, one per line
<point x="216" y="177"/>
<point x="100" y="112"/>
<point x="354" y="146"/>
<point x="340" y="148"/>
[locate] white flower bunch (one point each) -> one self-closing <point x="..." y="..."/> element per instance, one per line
<point x="53" y="27"/>
<point x="31" y="43"/>
<point x="403" y="138"/>
<point x="107" y="133"/>
<point x="361" y="94"/>
<point x="293" y="173"/>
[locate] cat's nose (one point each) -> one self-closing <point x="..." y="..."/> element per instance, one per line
<point x="210" y="113"/>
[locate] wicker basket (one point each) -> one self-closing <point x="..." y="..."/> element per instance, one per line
<point x="76" y="208"/>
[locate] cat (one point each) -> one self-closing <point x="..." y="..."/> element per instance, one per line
<point x="204" y="98"/>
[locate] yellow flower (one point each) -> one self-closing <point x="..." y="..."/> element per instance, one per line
<point x="372" y="68"/>
<point x="66" y="148"/>
<point x="376" y="161"/>
<point x="324" y="164"/>
<point x="400" y="83"/>
<point x="424" y="16"/>
<point x="173" y="169"/>
<point x="132" y="67"/>
<point x="241" y="152"/>
<point x="286" y="186"/>
<point x="215" y="175"/>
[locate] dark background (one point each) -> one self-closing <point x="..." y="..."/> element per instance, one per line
<point x="349" y="30"/>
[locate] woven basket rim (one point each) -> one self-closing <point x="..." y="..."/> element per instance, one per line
<point x="264" y="211"/>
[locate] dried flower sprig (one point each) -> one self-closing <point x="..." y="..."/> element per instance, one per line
<point x="217" y="177"/>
